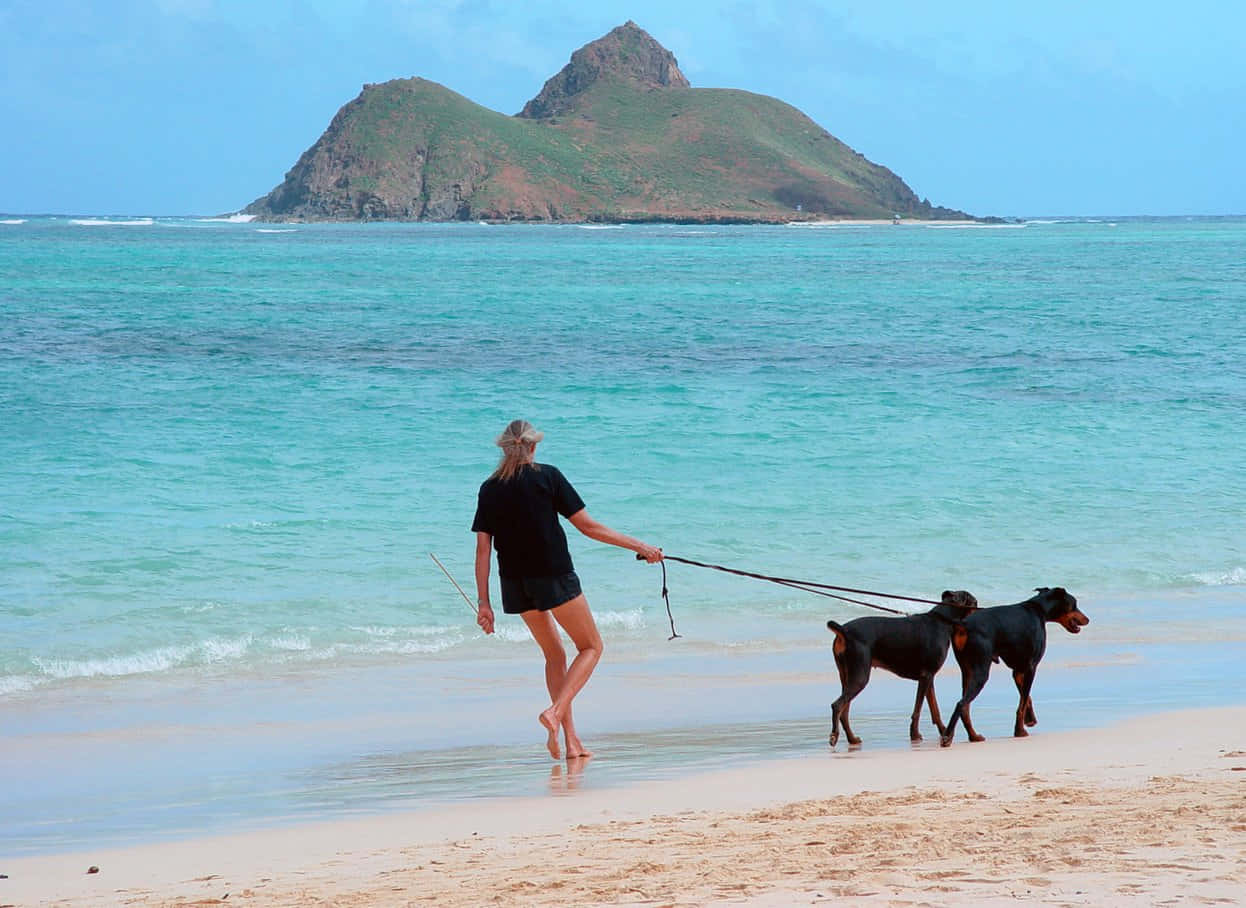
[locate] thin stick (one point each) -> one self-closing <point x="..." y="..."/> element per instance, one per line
<point x="455" y="582"/>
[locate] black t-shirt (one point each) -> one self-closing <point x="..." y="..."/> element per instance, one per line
<point x="521" y="514"/>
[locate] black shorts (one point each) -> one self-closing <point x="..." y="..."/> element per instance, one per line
<point x="524" y="594"/>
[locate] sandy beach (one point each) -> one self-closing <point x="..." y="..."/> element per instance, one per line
<point x="1148" y="811"/>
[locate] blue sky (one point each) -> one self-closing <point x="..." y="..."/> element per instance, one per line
<point x="200" y="106"/>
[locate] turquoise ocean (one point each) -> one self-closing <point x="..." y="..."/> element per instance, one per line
<point x="228" y="450"/>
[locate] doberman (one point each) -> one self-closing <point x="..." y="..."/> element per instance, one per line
<point x="1017" y="634"/>
<point x="913" y="647"/>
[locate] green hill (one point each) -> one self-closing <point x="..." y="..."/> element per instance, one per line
<point x="617" y="135"/>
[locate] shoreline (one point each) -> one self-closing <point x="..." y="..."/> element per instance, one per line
<point x="1138" y="809"/>
<point x="116" y="766"/>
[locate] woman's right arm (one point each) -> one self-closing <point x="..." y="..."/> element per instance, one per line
<point x="484" y="552"/>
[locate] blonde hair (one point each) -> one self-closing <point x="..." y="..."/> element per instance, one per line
<point x="514" y="442"/>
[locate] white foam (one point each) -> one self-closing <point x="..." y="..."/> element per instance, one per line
<point x="15" y="684"/>
<point x="1235" y="577"/>
<point x="105" y="222"/>
<point x="229" y="219"/>
<point x="13" y="221"/>
<point x="117" y="666"/>
<point x="144" y="663"/>
<point x="275" y="230"/>
<point x="975" y="226"/>
<point x="831" y="225"/>
<point x="600" y="226"/>
<point x="630" y="620"/>
<point x="373" y="631"/>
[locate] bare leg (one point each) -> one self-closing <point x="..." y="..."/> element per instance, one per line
<point x="562" y="681"/>
<point x="576" y="619"/>
<point x="545" y="632"/>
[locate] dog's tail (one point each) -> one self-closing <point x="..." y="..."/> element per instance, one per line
<point x="841" y="639"/>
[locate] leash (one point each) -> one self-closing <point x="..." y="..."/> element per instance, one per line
<point x="809" y="586"/>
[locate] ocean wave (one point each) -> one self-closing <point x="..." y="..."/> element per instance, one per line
<point x="1235" y="577"/>
<point x="148" y="662"/>
<point x="631" y="620"/>
<point x="16" y="684"/>
<point x="106" y="222"/>
<point x="276" y="230"/>
<point x="599" y="226"/>
<point x="282" y="646"/>
<point x="13" y="221"/>
<point x="229" y="219"/>
<point x="976" y="226"/>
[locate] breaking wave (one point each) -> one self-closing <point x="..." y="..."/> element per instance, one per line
<point x="1234" y="577"/>
<point x="108" y="222"/>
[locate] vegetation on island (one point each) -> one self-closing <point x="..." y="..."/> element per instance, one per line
<point x="617" y="136"/>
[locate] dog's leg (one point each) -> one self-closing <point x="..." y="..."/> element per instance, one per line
<point x="852" y="739"/>
<point x="924" y="686"/>
<point x="973" y="679"/>
<point x="1028" y="701"/>
<point x="837" y="709"/>
<point x="1025" y="708"/>
<point x="854" y="674"/>
<point x="850" y="686"/>
<point x="934" y="708"/>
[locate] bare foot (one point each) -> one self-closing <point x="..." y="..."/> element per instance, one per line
<point x="576" y="749"/>
<point x="550" y="721"/>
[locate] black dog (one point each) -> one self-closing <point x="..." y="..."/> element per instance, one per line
<point x="1017" y="634"/>
<point x="913" y="647"/>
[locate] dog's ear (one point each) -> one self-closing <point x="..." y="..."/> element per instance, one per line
<point x="960" y="599"/>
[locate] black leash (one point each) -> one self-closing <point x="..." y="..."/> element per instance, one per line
<point x="666" y="596"/>
<point x="820" y="589"/>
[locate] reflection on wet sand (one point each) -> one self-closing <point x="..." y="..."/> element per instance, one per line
<point x="565" y="782"/>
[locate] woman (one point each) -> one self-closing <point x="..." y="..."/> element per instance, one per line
<point x="517" y="512"/>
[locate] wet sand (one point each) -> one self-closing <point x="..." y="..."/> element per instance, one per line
<point x="1145" y="811"/>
